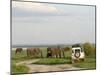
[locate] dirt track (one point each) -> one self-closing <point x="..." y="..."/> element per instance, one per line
<point x="46" y="68"/>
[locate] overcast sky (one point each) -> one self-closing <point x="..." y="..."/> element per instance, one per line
<point x="42" y="23"/>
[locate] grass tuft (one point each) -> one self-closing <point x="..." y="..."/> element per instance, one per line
<point x="19" y="69"/>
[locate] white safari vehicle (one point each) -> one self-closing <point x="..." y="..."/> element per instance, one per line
<point x="77" y="53"/>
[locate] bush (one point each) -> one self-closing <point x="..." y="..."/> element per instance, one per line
<point x="67" y="49"/>
<point x="89" y="49"/>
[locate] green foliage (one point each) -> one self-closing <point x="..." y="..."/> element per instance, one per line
<point x="89" y="49"/>
<point x="67" y="49"/>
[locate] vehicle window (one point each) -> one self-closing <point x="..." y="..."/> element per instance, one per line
<point x="77" y="50"/>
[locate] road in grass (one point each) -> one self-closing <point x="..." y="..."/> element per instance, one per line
<point x="43" y="64"/>
<point x="46" y="68"/>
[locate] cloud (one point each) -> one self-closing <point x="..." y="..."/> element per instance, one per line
<point x="57" y="29"/>
<point x="42" y="9"/>
<point x="73" y="24"/>
<point x="37" y="7"/>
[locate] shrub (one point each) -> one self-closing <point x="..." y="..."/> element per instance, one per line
<point x="89" y="49"/>
<point x="67" y="49"/>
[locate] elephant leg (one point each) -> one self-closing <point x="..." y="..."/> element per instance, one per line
<point x="15" y="52"/>
<point x="63" y="54"/>
<point x="60" y="55"/>
<point x="56" y="56"/>
<point x="47" y="55"/>
<point x="27" y="54"/>
<point x="41" y="55"/>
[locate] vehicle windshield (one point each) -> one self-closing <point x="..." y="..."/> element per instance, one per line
<point x="77" y="50"/>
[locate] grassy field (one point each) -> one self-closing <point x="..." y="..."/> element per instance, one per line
<point x="89" y="63"/>
<point x="48" y="61"/>
<point x="17" y="58"/>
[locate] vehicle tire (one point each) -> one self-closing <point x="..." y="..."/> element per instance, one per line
<point x="82" y="59"/>
<point x="77" y="55"/>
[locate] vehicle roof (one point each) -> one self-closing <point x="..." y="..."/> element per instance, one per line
<point x="76" y="45"/>
<point x="76" y="48"/>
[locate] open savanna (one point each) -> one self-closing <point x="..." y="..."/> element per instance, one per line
<point x="89" y="63"/>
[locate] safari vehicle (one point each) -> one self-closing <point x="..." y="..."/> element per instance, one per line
<point x="77" y="53"/>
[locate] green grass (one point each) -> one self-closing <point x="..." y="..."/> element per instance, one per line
<point x="89" y="63"/>
<point x="20" y="56"/>
<point x="52" y="61"/>
<point x="17" y="58"/>
<point x="19" y="69"/>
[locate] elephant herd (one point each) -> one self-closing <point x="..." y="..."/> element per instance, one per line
<point x="51" y="52"/>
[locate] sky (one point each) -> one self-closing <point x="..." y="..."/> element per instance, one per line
<point x="43" y="23"/>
